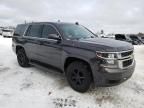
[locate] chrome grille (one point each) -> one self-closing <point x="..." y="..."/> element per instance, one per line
<point x="126" y="59"/>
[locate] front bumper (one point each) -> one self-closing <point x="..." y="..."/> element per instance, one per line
<point x="112" y="76"/>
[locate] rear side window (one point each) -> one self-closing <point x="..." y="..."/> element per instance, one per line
<point x="34" y="30"/>
<point x="48" y="29"/>
<point x="20" y="29"/>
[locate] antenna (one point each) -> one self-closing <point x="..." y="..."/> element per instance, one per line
<point x="25" y="22"/>
<point x="77" y="23"/>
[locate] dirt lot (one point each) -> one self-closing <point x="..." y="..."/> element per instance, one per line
<point x="37" y="88"/>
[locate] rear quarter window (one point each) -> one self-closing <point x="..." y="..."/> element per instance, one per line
<point x="20" y="29"/>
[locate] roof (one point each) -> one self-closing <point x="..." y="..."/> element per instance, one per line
<point x="53" y="23"/>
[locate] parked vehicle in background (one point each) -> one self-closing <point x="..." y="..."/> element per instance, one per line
<point x="123" y="37"/>
<point x="136" y="40"/>
<point x="1" y="30"/>
<point x="100" y="35"/>
<point x="76" y="52"/>
<point x="7" y="33"/>
<point x="141" y="37"/>
<point x="111" y="36"/>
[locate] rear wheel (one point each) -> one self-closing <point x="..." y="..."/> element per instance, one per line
<point x="22" y="58"/>
<point x="79" y="76"/>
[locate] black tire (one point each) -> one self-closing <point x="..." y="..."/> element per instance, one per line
<point x="79" y="76"/>
<point x="22" y="58"/>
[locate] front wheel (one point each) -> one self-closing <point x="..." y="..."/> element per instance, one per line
<point x="79" y="76"/>
<point x="22" y="58"/>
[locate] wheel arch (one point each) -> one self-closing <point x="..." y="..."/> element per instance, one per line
<point x="18" y="47"/>
<point x="69" y="60"/>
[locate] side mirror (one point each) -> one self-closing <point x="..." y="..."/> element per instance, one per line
<point x="54" y="36"/>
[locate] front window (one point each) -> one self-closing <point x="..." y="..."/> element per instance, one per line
<point x="47" y="30"/>
<point x="73" y="31"/>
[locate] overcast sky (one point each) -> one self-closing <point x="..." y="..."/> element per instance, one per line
<point x="124" y="16"/>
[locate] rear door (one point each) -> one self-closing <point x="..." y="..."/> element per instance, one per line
<point x="32" y="38"/>
<point x="51" y="50"/>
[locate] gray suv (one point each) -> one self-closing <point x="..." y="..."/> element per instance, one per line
<point x="76" y="52"/>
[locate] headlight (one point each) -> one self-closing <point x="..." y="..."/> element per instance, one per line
<point x="108" y="59"/>
<point x="106" y="55"/>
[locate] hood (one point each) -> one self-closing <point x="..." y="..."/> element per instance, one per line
<point x="103" y="44"/>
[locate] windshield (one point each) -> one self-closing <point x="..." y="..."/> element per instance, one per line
<point x="73" y="31"/>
